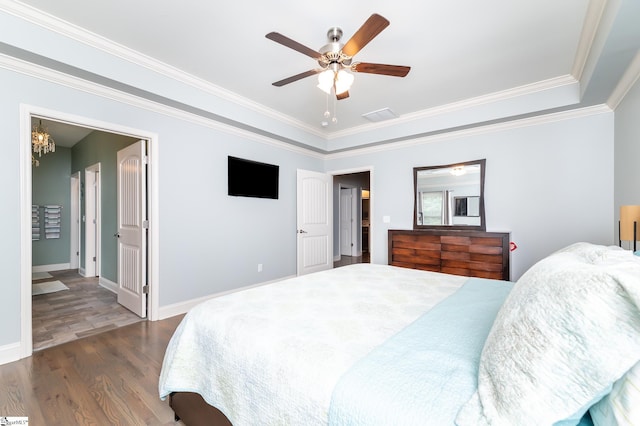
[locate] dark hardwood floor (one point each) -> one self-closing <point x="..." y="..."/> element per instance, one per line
<point x="109" y="378"/>
<point x="85" y="309"/>
<point x="350" y="260"/>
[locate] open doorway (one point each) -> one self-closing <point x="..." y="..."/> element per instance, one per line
<point x="69" y="269"/>
<point x="352" y="209"/>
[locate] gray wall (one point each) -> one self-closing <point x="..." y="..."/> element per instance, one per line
<point x="51" y="185"/>
<point x="548" y="184"/>
<point x="627" y="154"/>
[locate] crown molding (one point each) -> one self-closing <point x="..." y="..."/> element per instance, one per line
<point x="592" y="24"/>
<point x="81" y="35"/>
<point x="454" y="107"/>
<point x="56" y="77"/>
<point x="478" y="130"/>
<point x="76" y="83"/>
<point x="629" y="78"/>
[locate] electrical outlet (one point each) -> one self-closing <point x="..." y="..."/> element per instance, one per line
<point x="259" y="267"/>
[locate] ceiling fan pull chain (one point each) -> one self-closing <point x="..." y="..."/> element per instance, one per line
<point x="334" y="120"/>
<point x="327" y="113"/>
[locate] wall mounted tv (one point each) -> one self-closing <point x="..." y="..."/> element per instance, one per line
<point x="247" y="178"/>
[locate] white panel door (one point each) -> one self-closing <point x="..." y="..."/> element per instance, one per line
<point x="314" y="221"/>
<point x="132" y="214"/>
<point x="346" y="222"/>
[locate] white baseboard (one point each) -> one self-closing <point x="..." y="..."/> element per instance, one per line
<point x="184" y="307"/>
<point x="49" y="268"/>
<point x="109" y="285"/>
<point x="82" y="272"/>
<point x="9" y="353"/>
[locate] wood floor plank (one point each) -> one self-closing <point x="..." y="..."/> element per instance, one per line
<point x="104" y="379"/>
<point x="85" y="309"/>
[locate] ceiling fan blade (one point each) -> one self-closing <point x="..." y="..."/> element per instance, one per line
<point x="343" y="95"/>
<point x="392" y="70"/>
<point x="371" y="28"/>
<point x="297" y="77"/>
<point x="292" y="44"/>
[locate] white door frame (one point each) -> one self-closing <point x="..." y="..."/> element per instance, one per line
<point x="92" y="220"/>
<point x="371" y="197"/>
<point x="356" y="217"/>
<point x="74" y="222"/>
<point x="26" y="113"/>
<point x="355" y="221"/>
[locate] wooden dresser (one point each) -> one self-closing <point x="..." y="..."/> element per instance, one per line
<point x="469" y="253"/>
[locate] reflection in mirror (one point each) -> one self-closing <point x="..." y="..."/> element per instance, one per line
<point x="466" y="206"/>
<point x="450" y="195"/>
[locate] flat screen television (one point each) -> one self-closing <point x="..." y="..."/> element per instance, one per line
<point x="247" y="178"/>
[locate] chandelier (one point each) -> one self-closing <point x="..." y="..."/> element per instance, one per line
<point x="42" y="142"/>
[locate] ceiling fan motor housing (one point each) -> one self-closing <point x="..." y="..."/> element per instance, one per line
<point x="332" y="51"/>
<point x="334" y="34"/>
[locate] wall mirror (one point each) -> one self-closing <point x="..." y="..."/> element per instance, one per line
<point x="449" y="196"/>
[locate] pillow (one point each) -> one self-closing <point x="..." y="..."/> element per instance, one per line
<point x="622" y="405"/>
<point x="568" y="330"/>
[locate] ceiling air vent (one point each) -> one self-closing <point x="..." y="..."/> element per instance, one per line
<point x="380" y="115"/>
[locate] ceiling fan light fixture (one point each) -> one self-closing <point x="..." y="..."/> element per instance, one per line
<point x="325" y="80"/>
<point x="344" y="80"/>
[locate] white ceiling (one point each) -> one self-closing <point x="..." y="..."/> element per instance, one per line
<point x="457" y="50"/>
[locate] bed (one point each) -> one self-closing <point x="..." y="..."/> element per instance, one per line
<point x="374" y="344"/>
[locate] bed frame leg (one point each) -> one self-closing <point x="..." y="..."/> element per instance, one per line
<point x="176" y="418"/>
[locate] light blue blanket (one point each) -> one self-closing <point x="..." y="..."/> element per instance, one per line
<point x="426" y="372"/>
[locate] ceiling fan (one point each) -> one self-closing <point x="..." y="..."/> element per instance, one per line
<point x="336" y="58"/>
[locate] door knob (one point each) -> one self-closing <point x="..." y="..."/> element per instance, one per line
<point x="302" y="231"/>
<point x="116" y="235"/>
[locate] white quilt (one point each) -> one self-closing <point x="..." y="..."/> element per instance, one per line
<point x="273" y="354"/>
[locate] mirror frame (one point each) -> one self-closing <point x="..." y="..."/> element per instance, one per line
<point x="481" y="227"/>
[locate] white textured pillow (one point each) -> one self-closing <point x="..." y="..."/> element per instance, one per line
<point x="569" y="329"/>
<point x="622" y="406"/>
